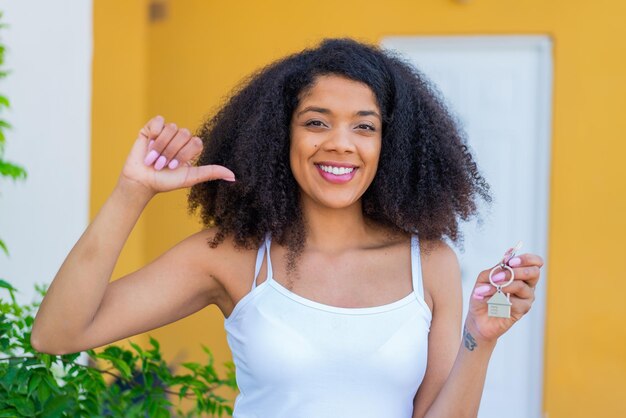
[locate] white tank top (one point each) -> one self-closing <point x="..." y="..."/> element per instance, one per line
<point x="297" y="358"/>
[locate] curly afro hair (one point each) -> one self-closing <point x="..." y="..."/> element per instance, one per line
<point x="426" y="180"/>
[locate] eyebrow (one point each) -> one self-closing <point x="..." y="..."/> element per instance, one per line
<point x="327" y="111"/>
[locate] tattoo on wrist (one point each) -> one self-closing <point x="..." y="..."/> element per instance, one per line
<point x="468" y="340"/>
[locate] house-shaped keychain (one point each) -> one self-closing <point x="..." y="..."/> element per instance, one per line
<point x="499" y="305"/>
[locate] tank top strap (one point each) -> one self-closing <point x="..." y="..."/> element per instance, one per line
<point x="268" y="245"/>
<point x="416" y="267"/>
<point x="264" y="249"/>
<point x="259" y="261"/>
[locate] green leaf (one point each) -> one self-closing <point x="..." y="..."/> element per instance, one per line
<point x="47" y="359"/>
<point x="136" y="347"/>
<point x="32" y="361"/>
<point x="52" y="384"/>
<point x="135" y="411"/>
<point x="155" y="344"/>
<point x="91" y="406"/>
<point x="191" y="366"/>
<point x="25" y="407"/>
<point x="148" y="380"/>
<point x="4" y="248"/>
<point x="162" y="413"/>
<point x="43" y="392"/>
<point x="182" y="392"/>
<point x="4" y="101"/>
<point x="57" y="404"/>
<point x="4" y="344"/>
<point x="34" y="383"/>
<point x="70" y="357"/>
<point x="8" y="379"/>
<point x="96" y="377"/>
<point x="113" y="350"/>
<point x="14" y="171"/>
<point x="118" y="364"/>
<point x="41" y="289"/>
<point x="6" y="285"/>
<point x="22" y="381"/>
<point x="153" y="408"/>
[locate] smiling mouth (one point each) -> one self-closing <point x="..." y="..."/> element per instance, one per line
<point x="336" y="174"/>
<point x="337" y="171"/>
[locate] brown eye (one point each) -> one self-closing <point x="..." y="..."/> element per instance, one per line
<point x="367" y="127"/>
<point x="316" y="123"/>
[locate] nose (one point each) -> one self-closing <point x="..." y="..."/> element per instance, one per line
<point x="339" y="140"/>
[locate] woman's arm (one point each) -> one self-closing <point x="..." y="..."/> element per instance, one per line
<point x="442" y="285"/>
<point x="461" y="393"/>
<point x="458" y="394"/>
<point x="74" y="301"/>
<point x="77" y="290"/>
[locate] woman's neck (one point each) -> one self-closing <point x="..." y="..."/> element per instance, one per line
<point x="335" y="230"/>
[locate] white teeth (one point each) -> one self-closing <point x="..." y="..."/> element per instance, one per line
<point x="338" y="171"/>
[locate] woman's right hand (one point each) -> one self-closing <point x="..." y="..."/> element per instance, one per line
<point x="162" y="159"/>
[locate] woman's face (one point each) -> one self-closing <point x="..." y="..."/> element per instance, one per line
<point x="335" y="141"/>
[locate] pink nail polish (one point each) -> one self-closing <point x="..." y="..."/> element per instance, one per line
<point x="150" y="144"/>
<point x="515" y="261"/>
<point x="173" y="164"/>
<point x="480" y="290"/>
<point x="160" y="162"/>
<point x="152" y="155"/>
<point x="478" y="297"/>
<point x="498" y="277"/>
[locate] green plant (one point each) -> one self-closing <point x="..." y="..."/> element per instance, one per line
<point x="7" y="169"/>
<point x="39" y="384"/>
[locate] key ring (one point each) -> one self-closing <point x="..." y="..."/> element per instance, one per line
<point x="503" y="267"/>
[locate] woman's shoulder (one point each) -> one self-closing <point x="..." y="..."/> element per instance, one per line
<point x="436" y="251"/>
<point x="230" y="264"/>
<point x="223" y="253"/>
<point x="441" y="271"/>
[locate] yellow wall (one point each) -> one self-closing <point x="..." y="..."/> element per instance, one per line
<point x="118" y="109"/>
<point x="118" y="106"/>
<point x="202" y="49"/>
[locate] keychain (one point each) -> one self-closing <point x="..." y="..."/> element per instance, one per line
<point x="499" y="305"/>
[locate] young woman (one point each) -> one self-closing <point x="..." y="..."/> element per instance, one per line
<point x="327" y="184"/>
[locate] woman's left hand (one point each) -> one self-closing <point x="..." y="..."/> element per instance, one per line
<point x="522" y="295"/>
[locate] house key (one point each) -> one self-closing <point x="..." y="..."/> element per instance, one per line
<point x="499" y="305"/>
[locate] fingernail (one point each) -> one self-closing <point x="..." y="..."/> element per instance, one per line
<point x="516" y="261"/>
<point x="173" y="164"/>
<point x="480" y="290"/>
<point x="498" y="277"/>
<point x="229" y="179"/>
<point x="152" y="155"/>
<point x="478" y="297"/>
<point x="160" y="162"/>
<point x="150" y="144"/>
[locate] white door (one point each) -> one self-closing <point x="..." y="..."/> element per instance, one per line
<point x="500" y="89"/>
